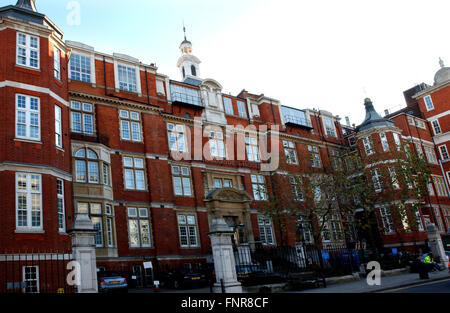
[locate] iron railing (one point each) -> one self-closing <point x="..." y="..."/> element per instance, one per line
<point x="31" y="272"/>
<point x="186" y="98"/>
<point x="291" y="119"/>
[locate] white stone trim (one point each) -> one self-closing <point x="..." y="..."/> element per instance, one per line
<point x="432" y="118"/>
<point x="35" y="169"/>
<point x="12" y="84"/>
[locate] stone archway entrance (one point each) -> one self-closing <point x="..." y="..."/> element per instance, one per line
<point x="234" y="207"/>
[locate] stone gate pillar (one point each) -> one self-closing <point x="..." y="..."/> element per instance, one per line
<point x="224" y="262"/>
<point x="436" y="245"/>
<point x="83" y="250"/>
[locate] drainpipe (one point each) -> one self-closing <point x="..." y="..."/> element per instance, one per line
<point x="104" y="75"/>
<point x="146" y="85"/>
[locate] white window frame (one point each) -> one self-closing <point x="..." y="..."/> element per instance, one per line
<point x="90" y="75"/>
<point x="384" y="142"/>
<point x="439" y="183"/>
<point x="139" y="218"/>
<point x="316" y="160"/>
<point x="329" y="127"/>
<point x="444" y="152"/>
<point x="427" y="103"/>
<point x="252" y="149"/>
<point x="296" y="188"/>
<point x="134" y="169"/>
<point x="58" y="127"/>
<point x="242" y="109"/>
<point x="28" y="192"/>
<point x="394" y="179"/>
<point x="177" y="137"/>
<point x="28" y="112"/>
<point x="436" y="127"/>
<point x="419" y="221"/>
<point x="82" y="112"/>
<point x="62" y="209"/>
<point x="377" y="181"/>
<point x="131" y="119"/>
<point x="36" y="279"/>
<point x="439" y="219"/>
<point x="109" y="213"/>
<point x="28" y="49"/>
<point x="431" y="155"/>
<point x="259" y="187"/>
<point x="57" y="63"/>
<point x="386" y="219"/>
<point x="187" y="223"/>
<point x="217" y="147"/>
<point x="368" y="146"/>
<point x="266" y="232"/>
<point x="100" y="233"/>
<point x="86" y="161"/>
<point x="228" y="106"/>
<point x="182" y="178"/>
<point x="137" y="77"/>
<point x="290" y="152"/>
<point x="397" y="141"/>
<point x="106" y="176"/>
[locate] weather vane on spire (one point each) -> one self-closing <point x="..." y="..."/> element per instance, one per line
<point x="184" y="30"/>
<point x="441" y="63"/>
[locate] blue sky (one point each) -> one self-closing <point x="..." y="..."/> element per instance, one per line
<point x="322" y="54"/>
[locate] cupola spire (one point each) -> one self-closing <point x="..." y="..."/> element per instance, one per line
<point x="441" y="63"/>
<point x="27" y="4"/>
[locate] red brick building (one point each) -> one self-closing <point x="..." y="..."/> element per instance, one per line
<point x="108" y="135"/>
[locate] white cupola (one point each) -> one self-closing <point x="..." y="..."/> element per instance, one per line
<point x="188" y="64"/>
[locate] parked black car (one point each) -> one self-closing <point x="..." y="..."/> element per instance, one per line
<point x="181" y="278"/>
<point x="111" y="281"/>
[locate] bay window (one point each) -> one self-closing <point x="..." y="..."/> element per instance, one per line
<point x="28" y="50"/>
<point x="28" y="118"/>
<point x="28" y="201"/>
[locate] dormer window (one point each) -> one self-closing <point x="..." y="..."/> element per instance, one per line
<point x="127" y="78"/>
<point x="330" y="129"/>
<point x="80" y="68"/>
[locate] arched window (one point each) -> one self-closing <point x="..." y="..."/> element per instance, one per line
<point x="193" y="70"/>
<point x="184" y="73"/>
<point x="86" y="166"/>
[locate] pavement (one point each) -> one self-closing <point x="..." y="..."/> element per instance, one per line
<point x="430" y="287"/>
<point x="387" y="283"/>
